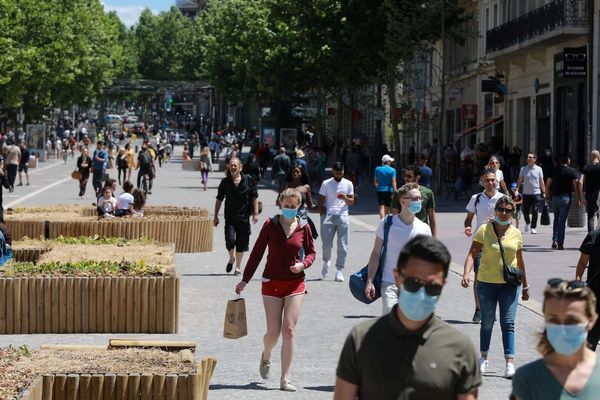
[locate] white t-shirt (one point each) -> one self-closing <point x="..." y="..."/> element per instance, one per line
<point x="485" y="209"/>
<point x="330" y="189"/>
<point x="400" y="234"/>
<point x="531" y="179"/>
<point x="125" y="199"/>
<point x="107" y="205"/>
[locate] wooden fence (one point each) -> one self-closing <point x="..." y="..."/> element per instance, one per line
<point x="123" y="386"/>
<point x="74" y="304"/>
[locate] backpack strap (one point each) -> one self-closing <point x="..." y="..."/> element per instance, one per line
<point x="386" y="232"/>
<point x="477" y="199"/>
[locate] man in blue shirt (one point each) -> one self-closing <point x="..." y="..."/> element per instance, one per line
<point x="385" y="182"/>
<point x="426" y="172"/>
<point x="99" y="161"/>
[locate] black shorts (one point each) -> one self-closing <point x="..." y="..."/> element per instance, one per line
<point x="23" y="168"/>
<point x="237" y="235"/>
<point x="384" y="198"/>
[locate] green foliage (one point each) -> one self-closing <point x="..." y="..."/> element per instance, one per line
<point x="87" y="267"/>
<point x="118" y="241"/>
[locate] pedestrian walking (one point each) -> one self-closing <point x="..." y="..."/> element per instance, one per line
<point x="335" y="195"/>
<point x="492" y="289"/>
<point x="589" y="187"/>
<point x="279" y="168"/>
<point x="205" y="165"/>
<point x="3" y="183"/>
<point x="385" y="183"/>
<point x="99" y="162"/>
<point x="412" y="173"/>
<point x="518" y="199"/>
<point x="251" y="168"/>
<point x="84" y="166"/>
<point x="404" y="227"/>
<point x="283" y="285"/>
<point x="130" y="153"/>
<point x="559" y="189"/>
<point x="531" y="177"/>
<point x="590" y="259"/>
<point x="122" y="164"/>
<point x="494" y="164"/>
<point x="24" y="164"/>
<point x="12" y="158"/>
<point x="241" y="203"/>
<point x="568" y="368"/>
<point x="145" y="165"/>
<point x="409" y="352"/>
<point x="481" y="206"/>
<point x="426" y="172"/>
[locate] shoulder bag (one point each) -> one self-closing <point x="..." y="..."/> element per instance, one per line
<point x="512" y="275"/>
<point x="358" y="280"/>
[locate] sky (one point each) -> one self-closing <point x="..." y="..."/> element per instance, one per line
<point x="130" y="10"/>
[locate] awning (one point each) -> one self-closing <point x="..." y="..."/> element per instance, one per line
<point x="480" y="126"/>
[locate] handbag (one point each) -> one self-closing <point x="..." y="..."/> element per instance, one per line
<point x="358" y="280"/>
<point x="235" y="325"/>
<point x="76" y="174"/>
<point x="511" y="275"/>
<point x="545" y="217"/>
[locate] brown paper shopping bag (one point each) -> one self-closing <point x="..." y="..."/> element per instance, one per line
<point x="235" y="319"/>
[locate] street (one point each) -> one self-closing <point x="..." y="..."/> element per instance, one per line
<point x="329" y="311"/>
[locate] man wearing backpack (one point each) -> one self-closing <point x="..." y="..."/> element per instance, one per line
<point x="482" y="205"/>
<point x="144" y="166"/>
<point x="99" y="160"/>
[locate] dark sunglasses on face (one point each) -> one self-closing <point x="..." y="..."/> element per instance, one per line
<point x="555" y="283"/>
<point x="504" y="210"/>
<point x="413" y="285"/>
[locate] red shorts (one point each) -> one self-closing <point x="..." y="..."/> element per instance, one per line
<point x="282" y="289"/>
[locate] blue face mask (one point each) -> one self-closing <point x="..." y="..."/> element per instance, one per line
<point x="414" y="206"/>
<point x="289" y="213"/>
<point x="566" y="339"/>
<point x="500" y="222"/>
<point x="417" y="306"/>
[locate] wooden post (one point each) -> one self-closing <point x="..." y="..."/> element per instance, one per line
<point x="72" y="387"/>
<point x="70" y="308"/>
<point x="158" y="387"/>
<point x="146" y="387"/>
<point x="93" y="293"/>
<point x="107" y="304"/>
<point x="60" y="386"/>
<point x="32" y="303"/>
<point x="62" y="304"/>
<point x="115" y="301"/>
<point x="100" y="305"/>
<point x="182" y="387"/>
<point x="171" y="386"/>
<point x="77" y="304"/>
<point x="48" y="307"/>
<point x="160" y="305"/>
<point x="110" y="387"/>
<point x="192" y="389"/>
<point x="48" y="387"/>
<point x="2" y="306"/>
<point x="96" y="387"/>
<point x="137" y="304"/>
<point x="55" y="305"/>
<point x="10" y="306"/>
<point x="40" y="289"/>
<point x="176" y="308"/>
<point x="144" y="304"/>
<point x="121" y="392"/>
<point x="85" y="304"/>
<point x="122" y="304"/>
<point x="133" y="387"/>
<point x="152" y="305"/>
<point x="25" y="304"/>
<point x="169" y="315"/>
<point x="130" y="296"/>
<point x="85" y="381"/>
<point x="17" y="305"/>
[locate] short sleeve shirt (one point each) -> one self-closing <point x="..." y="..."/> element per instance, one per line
<point x="386" y="361"/>
<point x="400" y="233"/>
<point x="592" y="179"/>
<point x="385" y="174"/>
<point x="491" y="267"/>
<point x="330" y="189"/>
<point x="125" y="199"/>
<point x="483" y="207"/>
<point x="562" y="181"/>
<point x="426" y="176"/>
<point x="531" y="179"/>
<point x="427" y="203"/>
<point x="535" y="381"/>
<point x="591" y="247"/>
<point x="238" y="199"/>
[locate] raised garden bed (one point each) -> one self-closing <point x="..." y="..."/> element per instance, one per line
<point x="143" y="374"/>
<point x="95" y="286"/>
<point x="189" y="228"/>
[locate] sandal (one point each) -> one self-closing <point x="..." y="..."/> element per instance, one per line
<point x="265" y="367"/>
<point x="286" y="386"/>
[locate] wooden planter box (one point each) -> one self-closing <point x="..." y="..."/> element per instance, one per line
<point x="74" y="304"/>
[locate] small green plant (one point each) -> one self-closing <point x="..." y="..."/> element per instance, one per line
<point x="85" y="268"/>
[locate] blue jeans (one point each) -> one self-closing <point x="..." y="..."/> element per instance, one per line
<point x="507" y="297"/>
<point x="330" y="225"/>
<point x="560" y="207"/>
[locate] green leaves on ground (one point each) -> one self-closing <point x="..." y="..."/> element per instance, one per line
<point x="82" y="268"/>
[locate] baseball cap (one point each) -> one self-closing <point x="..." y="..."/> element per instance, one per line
<point x="386" y="158"/>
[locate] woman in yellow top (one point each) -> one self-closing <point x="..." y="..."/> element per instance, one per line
<point x="491" y="287"/>
<point x="130" y="154"/>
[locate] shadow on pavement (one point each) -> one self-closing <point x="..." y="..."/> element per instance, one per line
<point x="361" y="316"/>
<point x="250" y="386"/>
<point x="320" y="388"/>
<point x="456" y="322"/>
<point x="207" y="274"/>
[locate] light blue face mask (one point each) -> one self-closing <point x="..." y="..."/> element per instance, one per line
<point x="500" y="222"/>
<point x="289" y="213"/>
<point x="414" y="206"/>
<point x="417" y="306"/>
<point x="566" y="339"/>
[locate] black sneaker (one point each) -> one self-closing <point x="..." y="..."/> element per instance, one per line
<point x="554" y="244"/>
<point x="477" y="316"/>
<point x="560" y="247"/>
<point x="229" y="267"/>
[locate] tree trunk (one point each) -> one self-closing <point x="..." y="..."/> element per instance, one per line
<point x="391" y="90"/>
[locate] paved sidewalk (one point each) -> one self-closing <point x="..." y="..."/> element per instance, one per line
<point x="329" y="311"/>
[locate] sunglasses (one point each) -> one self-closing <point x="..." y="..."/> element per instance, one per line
<point x="413" y="285"/>
<point x="504" y="210"/>
<point x="556" y="283"/>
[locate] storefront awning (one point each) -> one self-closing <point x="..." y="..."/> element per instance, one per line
<point x="480" y="126"/>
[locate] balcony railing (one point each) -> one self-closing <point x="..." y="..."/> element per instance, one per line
<point x="548" y="18"/>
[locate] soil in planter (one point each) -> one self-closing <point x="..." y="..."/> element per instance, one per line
<point x="14" y="378"/>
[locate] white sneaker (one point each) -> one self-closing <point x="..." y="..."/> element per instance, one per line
<point x="339" y="277"/>
<point x="325" y="269"/>
<point x="509" y="371"/>
<point x="527" y="227"/>
<point x="533" y="231"/>
<point x="483" y="364"/>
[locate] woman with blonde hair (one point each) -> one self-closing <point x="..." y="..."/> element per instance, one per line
<point x="205" y="165"/>
<point x="568" y="369"/>
<point x="494" y="164"/>
<point x="283" y="286"/>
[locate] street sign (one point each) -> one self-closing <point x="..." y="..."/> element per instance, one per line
<point x="468" y="112"/>
<point x="575" y="62"/>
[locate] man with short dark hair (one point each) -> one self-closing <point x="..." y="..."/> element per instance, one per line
<point x="99" y="161"/>
<point x="409" y="353"/>
<point x="560" y="186"/>
<point x="279" y="168"/>
<point x="589" y="187"/>
<point x="426" y="172"/>
<point x="531" y="177"/>
<point x="335" y="195"/>
<point x="385" y="183"/>
<point x="413" y="173"/>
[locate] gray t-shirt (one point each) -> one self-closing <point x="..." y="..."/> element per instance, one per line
<point x="531" y="179"/>
<point x="386" y="361"/>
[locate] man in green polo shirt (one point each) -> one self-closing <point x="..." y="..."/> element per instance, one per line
<point x="410" y="353"/>
<point x="412" y="173"/>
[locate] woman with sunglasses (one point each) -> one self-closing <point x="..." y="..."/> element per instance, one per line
<point x="568" y="369"/>
<point x="492" y="290"/>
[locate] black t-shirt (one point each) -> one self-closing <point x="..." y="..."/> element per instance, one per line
<point x="238" y="199"/>
<point x="591" y="247"/>
<point x="562" y="181"/>
<point x="592" y="179"/>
